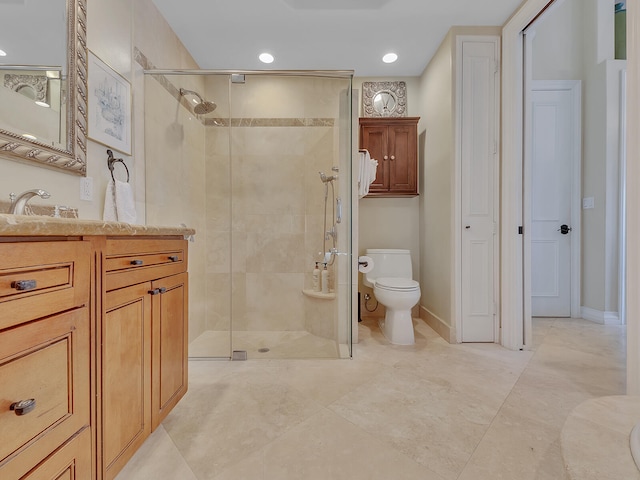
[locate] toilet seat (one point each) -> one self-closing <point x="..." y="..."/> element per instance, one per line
<point x="395" y="284"/>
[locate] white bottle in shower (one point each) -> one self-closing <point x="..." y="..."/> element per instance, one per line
<point x="325" y="279"/>
<point x="316" y="278"/>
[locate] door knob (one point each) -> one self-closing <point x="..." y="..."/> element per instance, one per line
<point x="564" y="229"/>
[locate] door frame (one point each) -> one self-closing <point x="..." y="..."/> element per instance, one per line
<point x="575" y="88"/>
<point x="512" y="296"/>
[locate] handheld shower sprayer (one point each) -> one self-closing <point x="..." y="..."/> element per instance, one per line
<point x="326" y="179"/>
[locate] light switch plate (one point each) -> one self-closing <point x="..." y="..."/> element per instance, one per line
<point x="588" y="202"/>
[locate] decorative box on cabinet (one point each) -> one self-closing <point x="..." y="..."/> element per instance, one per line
<point x="393" y="142"/>
<point x="44" y="359"/>
<point x="144" y="342"/>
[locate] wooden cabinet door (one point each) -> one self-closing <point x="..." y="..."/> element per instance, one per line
<point x="375" y="140"/>
<point x="402" y="163"/>
<point x="393" y="142"/>
<point x="169" y="345"/>
<point x="126" y="379"/>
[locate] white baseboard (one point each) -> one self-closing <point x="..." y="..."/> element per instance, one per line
<point x="597" y="316"/>
<point x="440" y="326"/>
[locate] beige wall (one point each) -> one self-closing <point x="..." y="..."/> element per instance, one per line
<point x="437" y="180"/>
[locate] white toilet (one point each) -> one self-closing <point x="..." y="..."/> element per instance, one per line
<point x="393" y="286"/>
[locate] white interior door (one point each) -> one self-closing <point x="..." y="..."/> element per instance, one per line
<point x="478" y="147"/>
<point x="553" y="136"/>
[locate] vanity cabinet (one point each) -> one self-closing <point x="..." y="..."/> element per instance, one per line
<point x="93" y="343"/>
<point x="393" y="142"/>
<point x="144" y="341"/>
<point x="45" y="359"/>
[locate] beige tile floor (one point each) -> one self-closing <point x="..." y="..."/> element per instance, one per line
<point x="431" y="411"/>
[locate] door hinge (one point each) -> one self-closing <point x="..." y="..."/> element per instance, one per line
<point x="497" y="66"/>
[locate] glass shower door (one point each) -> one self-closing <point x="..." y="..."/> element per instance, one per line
<point x="265" y="179"/>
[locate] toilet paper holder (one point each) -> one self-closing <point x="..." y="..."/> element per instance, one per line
<point x="364" y="264"/>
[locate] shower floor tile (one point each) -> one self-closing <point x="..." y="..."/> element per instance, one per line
<point x="264" y="344"/>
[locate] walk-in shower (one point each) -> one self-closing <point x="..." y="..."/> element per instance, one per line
<point x="245" y="176"/>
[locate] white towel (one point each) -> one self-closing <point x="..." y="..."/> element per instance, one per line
<point x="373" y="171"/>
<point x="367" y="173"/>
<point x="125" y="206"/>
<point x="109" y="213"/>
<point x="363" y="174"/>
<point x="118" y="203"/>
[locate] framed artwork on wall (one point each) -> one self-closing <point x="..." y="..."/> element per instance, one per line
<point x="109" y="106"/>
<point x="384" y="99"/>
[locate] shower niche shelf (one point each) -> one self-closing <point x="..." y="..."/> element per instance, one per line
<point x="319" y="295"/>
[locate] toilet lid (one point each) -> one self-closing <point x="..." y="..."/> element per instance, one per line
<point x="394" y="283"/>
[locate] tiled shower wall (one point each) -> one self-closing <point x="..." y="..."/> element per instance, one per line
<point x="265" y="202"/>
<point x="175" y="186"/>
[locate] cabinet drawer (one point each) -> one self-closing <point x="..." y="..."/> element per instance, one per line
<point x="41" y="278"/>
<point x="47" y="361"/>
<point x="128" y="262"/>
<point x="71" y="462"/>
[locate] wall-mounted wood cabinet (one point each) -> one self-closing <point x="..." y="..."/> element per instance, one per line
<point x="393" y="142"/>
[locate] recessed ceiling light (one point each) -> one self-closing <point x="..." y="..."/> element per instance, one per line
<point x="266" y="57"/>
<point x="3" y="53"/>
<point x="42" y="104"/>
<point x="390" y="58"/>
<point x="29" y="136"/>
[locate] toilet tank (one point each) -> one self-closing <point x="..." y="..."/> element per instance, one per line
<point x="388" y="263"/>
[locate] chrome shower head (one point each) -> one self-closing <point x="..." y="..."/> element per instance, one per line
<point x="202" y="107"/>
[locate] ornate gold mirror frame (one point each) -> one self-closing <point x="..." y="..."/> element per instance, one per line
<point x="73" y="158"/>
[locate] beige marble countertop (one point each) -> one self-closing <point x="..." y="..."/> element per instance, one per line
<point x="34" y="225"/>
<point x="595" y="439"/>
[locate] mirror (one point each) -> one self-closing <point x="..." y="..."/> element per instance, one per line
<point x="384" y="99"/>
<point x="384" y="103"/>
<point x="43" y="83"/>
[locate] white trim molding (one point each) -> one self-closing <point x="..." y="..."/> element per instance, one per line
<point x="603" y="318"/>
<point x="512" y="292"/>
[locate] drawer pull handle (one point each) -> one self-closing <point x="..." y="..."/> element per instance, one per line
<point x="155" y="291"/>
<point x="23" y="406"/>
<point x="24" y="285"/>
<point x="136" y="262"/>
<point x="174" y="258"/>
<point x="162" y="289"/>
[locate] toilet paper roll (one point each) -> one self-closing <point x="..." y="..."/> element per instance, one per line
<point x="365" y="264"/>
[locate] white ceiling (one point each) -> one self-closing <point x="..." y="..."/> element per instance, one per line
<point x="324" y="34"/>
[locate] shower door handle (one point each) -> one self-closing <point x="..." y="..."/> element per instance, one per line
<point x="338" y="210"/>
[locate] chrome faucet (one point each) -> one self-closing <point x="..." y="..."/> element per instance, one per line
<point x="18" y="203"/>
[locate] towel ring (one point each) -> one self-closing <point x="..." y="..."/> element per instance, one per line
<point x="111" y="161"/>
